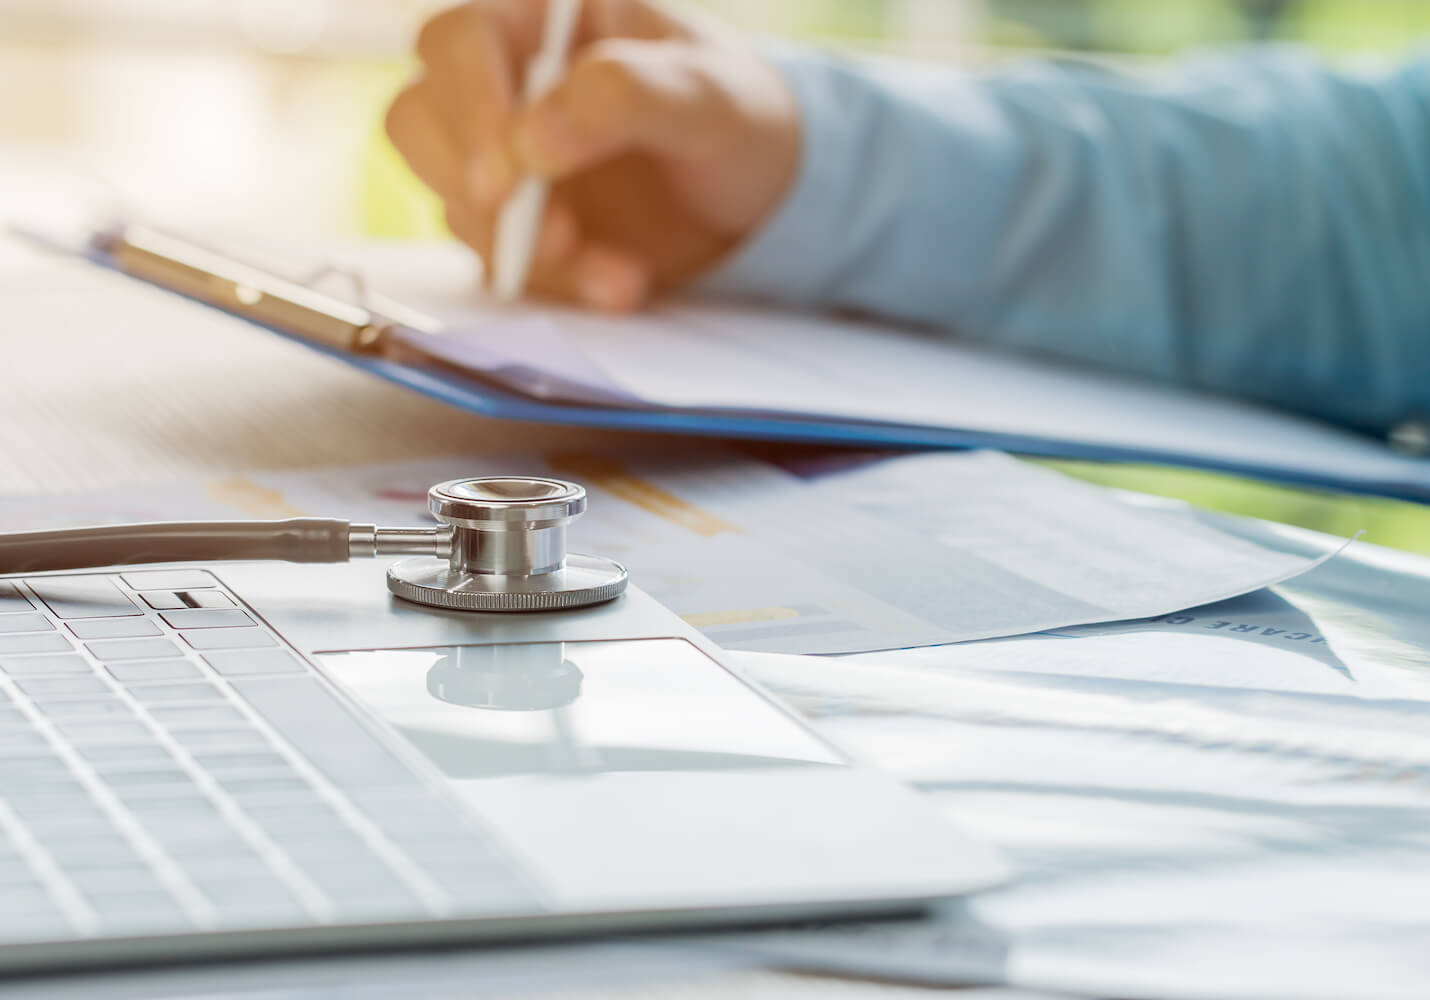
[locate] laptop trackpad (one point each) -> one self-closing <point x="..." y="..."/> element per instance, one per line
<point x="628" y="772"/>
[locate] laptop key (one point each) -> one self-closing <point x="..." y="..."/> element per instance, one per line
<point x="12" y="600"/>
<point x="222" y="760"/>
<point x="192" y="836"/>
<point x="25" y="623"/>
<point x="113" y="880"/>
<point x="172" y="775"/>
<point x="152" y="670"/>
<point x="22" y="901"/>
<point x="321" y="844"/>
<point x="11" y="739"/>
<point x="82" y="597"/>
<point x="357" y="881"/>
<point x="104" y="759"/>
<point x="199" y="690"/>
<point x="144" y="910"/>
<point x="206" y="618"/>
<point x="195" y="715"/>
<point x="246" y="786"/>
<point x="39" y="666"/>
<point x="251" y="662"/>
<point x="17" y="876"/>
<point x="324" y="731"/>
<point x="87" y="708"/>
<point x="114" y="628"/>
<point x="179" y="815"/>
<point x="133" y="649"/>
<point x="92" y="732"/>
<point x="297" y="817"/>
<point x="51" y="925"/>
<point x="87" y="852"/>
<point x="23" y="773"/>
<point x="163" y="600"/>
<point x="40" y="687"/>
<point x="170" y="579"/>
<point x="48" y="818"/>
<point x="54" y="804"/>
<point x="34" y="642"/>
<point x="251" y="637"/>
<point x="181" y="788"/>
<point x="206" y="599"/>
<point x="226" y="737"/>
<point x="236" y="857"/>
<point x="224" y="892"/>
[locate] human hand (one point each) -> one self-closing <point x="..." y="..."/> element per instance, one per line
<point x="668" y="140"/>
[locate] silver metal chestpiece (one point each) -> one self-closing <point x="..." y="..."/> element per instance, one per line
<point x="508" y="550"/>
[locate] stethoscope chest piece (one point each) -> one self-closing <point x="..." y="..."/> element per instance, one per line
<point x="508" y="550"/>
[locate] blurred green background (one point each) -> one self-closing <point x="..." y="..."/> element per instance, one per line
<point x="266" y="115"/>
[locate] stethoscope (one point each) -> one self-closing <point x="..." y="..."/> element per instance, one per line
<point x="500" y="546"/>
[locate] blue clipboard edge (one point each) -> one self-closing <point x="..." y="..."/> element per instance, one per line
<point x="491" y="400"/>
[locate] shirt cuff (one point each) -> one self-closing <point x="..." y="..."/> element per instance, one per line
<point x="776" y="262"/>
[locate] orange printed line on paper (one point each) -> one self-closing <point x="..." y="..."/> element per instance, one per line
<point x="745" y="616"/>
<point x="251" y="498"/>
<point x="613" y="477"/>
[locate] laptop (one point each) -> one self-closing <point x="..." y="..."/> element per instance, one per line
<point x="255" y="759"/>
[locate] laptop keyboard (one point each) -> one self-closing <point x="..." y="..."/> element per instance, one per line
<point x="168" y="765"/>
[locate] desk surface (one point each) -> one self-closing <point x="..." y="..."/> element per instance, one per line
<point x="81" y="409"/>
<point x="84" y="409"/>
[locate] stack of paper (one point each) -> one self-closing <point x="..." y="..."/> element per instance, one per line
<point x="911" y="552"/>
<point x="1228" y="802"/>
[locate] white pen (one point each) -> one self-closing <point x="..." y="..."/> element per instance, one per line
<point x="519" y="222"/>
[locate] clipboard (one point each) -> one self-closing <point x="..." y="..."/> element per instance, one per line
<point x="396" y="343"/>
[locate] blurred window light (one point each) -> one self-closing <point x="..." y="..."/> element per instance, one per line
<point x="284" y="26"/>
<point x="384" y="28"/>
<point x="269" y="111"/>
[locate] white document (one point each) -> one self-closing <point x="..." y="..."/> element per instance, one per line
<point x="726" y="356"/>
<point x="1229" y="802"/>
<point x="1161" y="847"/>
<point x="913" y="552"/>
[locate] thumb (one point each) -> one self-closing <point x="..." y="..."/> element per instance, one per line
<point x="623" y="94"/>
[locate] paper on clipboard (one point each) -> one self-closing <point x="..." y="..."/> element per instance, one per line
<point x="528" y="353"/>
<point x="741" y="371"/>
<point x="922" y="387"/>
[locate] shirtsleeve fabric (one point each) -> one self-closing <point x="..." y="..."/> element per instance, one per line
<point x="1251" y="222"/>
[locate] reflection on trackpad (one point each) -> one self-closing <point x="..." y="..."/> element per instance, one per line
<point x="482" y="712"/>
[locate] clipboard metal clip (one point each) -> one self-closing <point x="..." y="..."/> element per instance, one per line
<point x="294" y="307"/>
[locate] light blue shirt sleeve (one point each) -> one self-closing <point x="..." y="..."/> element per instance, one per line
<point x="1249" y="222"/>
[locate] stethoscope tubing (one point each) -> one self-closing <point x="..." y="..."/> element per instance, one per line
<point x="302" y="540"/>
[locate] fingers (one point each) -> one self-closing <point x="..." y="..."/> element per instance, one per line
<point x="471" y="56"/>
<point x="470" y="68"/>
<point x="622" y="95"/>
<point x="570" y="266"/>
<point x="610" y="279"/>
<point x="416" y="130"/>
<point x="567" y="265"/>
<point x="629" y="19"/>
<point x="455" y="126"/>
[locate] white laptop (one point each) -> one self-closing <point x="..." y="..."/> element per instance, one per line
<point x="254" y="759"/>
